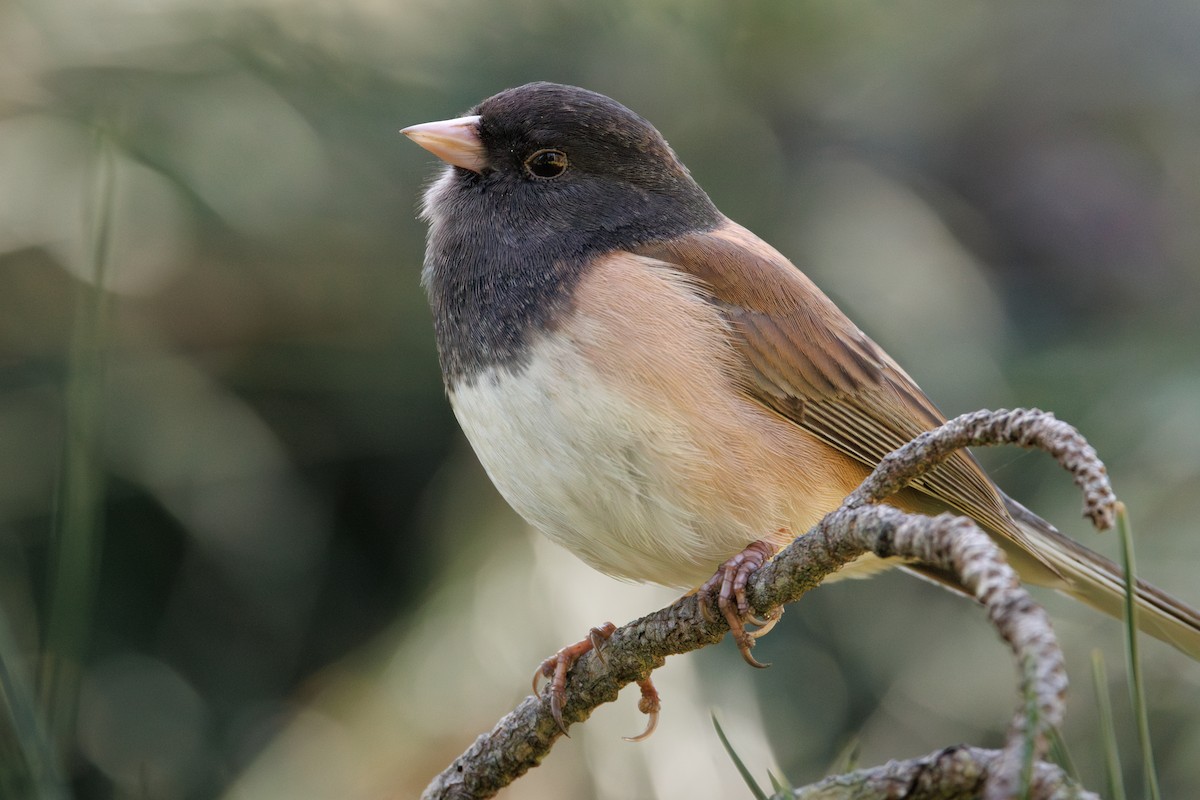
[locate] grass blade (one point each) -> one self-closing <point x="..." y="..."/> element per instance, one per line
<point x="1108" y="729"/>
<point x="755" y="789"/>
<point x="1062" y="755"/>
<point x="780" y="782"/>
<point x="846" y="759"/>
<point x="1137" y="684"/>
<point x="28" y="763"/>
<point x="78" y="513"/>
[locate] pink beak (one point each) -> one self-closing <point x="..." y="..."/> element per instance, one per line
<point x="455" y="141"/>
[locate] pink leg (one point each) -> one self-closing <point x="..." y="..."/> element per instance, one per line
<point x="731" y="578"/>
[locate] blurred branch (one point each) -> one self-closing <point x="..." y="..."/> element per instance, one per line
<point x="952" y="544"/>
<point x="955" y="772"/>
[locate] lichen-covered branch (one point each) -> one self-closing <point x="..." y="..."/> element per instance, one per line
<point x="955" y="773"/>
<point x="958" y="547"/>
<point x="951" y="544"/>
<point x="1023" y="427"/>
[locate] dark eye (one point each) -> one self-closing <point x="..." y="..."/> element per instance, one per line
<point x="547" y="163"/>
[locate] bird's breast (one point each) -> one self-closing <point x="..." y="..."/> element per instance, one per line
<point x="624" y="437"/>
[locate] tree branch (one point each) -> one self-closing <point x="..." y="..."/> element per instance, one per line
<point x="955" y="772"/>
<point x="953" y="544"/>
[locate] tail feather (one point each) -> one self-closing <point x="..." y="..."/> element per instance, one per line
<point x="1100" y="583"/>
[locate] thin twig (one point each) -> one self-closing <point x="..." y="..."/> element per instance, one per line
<point x="955" y="772"/>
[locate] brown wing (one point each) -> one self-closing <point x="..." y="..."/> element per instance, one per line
<point x="808" y="362"/>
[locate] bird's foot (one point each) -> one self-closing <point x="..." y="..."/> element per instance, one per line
<point x="555" y="669"/>
<point x="729" y="583"/>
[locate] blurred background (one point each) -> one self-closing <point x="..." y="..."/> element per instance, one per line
<point x="244" y="550"/>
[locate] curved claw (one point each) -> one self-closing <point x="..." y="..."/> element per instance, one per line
<point x="744" y="642"/>
<point x="751" y="660"/>
<point x="650" y="704"/>
<point x="598" y="637"/>
<point x="651" y="724"/>
<point x="541" y="672"/>
<point x="556" y="704"/>
<point x="765" y="625"/>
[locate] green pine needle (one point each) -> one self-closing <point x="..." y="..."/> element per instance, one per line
<point x="1062" y="754"/>
<point x="28" y="763"/>
<point x="1108" y="729"/>
<point x="847" y="758"/>
<point x="755" y="789"/>
<point x="1137" y="685"/>
<point x="78" y="514"/>
<point x="780" y="783"/>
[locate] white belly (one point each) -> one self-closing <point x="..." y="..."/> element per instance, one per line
<point x="609" y="479"/>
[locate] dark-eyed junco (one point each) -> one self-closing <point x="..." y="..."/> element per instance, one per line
<point x="656" y="388"/>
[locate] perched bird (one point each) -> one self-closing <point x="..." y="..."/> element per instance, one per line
<point x="659" y="390"/>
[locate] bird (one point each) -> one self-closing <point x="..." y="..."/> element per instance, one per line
<point x="659" y="390"/>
